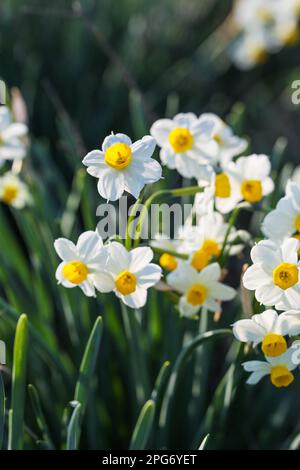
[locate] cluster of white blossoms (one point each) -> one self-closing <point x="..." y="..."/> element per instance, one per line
<point x="206" y="149"/>
<point x="265" y="27"/>
<point x="275" y="278"/>
<point x="13" y="149"/>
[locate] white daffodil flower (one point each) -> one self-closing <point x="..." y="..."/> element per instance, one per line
<point x="249" y="13"/>
<point x="274" y="274"/>
<point x="199" y="289"/>
<point x="268" y="328"/>
<point x="13" y="137"/>
<point x="180" y="140"/>
<point x="252" y="174"/>
<point x="130" y="274"/>
<point x="13" y="191"/>
<point x="82" y="264"/>
<point x="123" y="166"/>
<point x="278" y="368"/>
<point x="284" y="221"/>
<point x="251" y="48"/>
<point x="224" y="145"/>
<point x="205" y="241"/>
<point x="222" y="190"/>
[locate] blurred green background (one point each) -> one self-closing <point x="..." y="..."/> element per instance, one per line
<point x="84" y="69"/>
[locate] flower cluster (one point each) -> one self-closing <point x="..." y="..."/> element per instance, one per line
<point x="265" y="27"/>
<point x="275" y="278"/>
<point x="13" y="148"/>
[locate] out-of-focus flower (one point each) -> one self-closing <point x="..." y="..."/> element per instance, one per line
<point x="279" y="368"/>
<point x="180" y="140"/>
<point x="224" y="192"/>
<point x="268" y="328"/>
<point x="275" y="274"/>
<point x="224" y="145"/>
<point x="284" y="221"/>
<point x="82" y="264"/>
<point x="123" y="166"/>
<point x="199" y="289"/>
<point x="130" y="273"/>
<point x="13" y="191"/>
<point x="13" y="137"/>
<point x="250" y="49"/>
<point x="205" y="241"/>
<point x="163" y="242"/>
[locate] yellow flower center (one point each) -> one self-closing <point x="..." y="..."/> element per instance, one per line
<point x="126" y="283"/>
<point x="75" y="271"/>
<point x="211" y="247"/>
<point x="181" y="139"/>
<point x="217" y="138"/>
<point x="297" y="223"/>
<point x="289" y="35"/>
<point x="9" y="194"/>
<point x="285" y="275"/>
<point x="281" y="376"/>
<point x="168" y="262"/>
<point x="202" y="257"/>
<point x="118" y="156"/>
<point x="264" y="15"/>
<point x="252" y="190"/>
<point x="273" y="345"/>
<point x="222" y="186"/>
<point x="196" y="295"/>
<point x="257" y="54"/>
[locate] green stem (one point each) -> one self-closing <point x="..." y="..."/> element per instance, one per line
<point x="231" y="222"/>
<point x="130" y="221"/>
<point x="161" y="251"/>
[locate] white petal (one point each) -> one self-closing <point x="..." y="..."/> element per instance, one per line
<point x="88" y="288"/>
<point x="139" y="258"/>
<point x="248" y="331"/>
<point x="143" y="149"/>
<point x="65" y="249"/>
<point x="186" y="309"/>
<point x="118" y="259"/>
<point x="212" y="272"/>
<point x="267" y="320"/>
<point x="111" y="184"/>
<point x="160" y="130"/>
<point x="89" y="244"/>
<point x="289" y="250"/>
<point x="115" y="139"/>
<point x="137" y="299"/>
<point x="268" y="294"/>
<point x="255" y="276"/>
<point x="222" y="292"/>
<point x="14" y="131"/>
<point x="103" y="282"/>
<point x="149" y="275"/>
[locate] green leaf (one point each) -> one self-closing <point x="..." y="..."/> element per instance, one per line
<point x="87" y="366"/>
<point x="16" y="415"/>
<point x="2" y="409"/>
<point x="39" y="416"/>
<point x="73" y="431"/>
<point x="143" y="427"/>
<point x="204" y="442"/>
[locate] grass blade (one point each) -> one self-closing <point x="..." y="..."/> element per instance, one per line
<point x="39" y="416"/>
<point x="204" y="442"/>
<point x="143" y="427"/>
<point x="73" y="431"/>
<point x="87" y="366"/>
<point x="16" y="421"/>
<point x="2" y="410"/>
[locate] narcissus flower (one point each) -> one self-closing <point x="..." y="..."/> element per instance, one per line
<point x="130" y="274"/>
<point x="13" y="191"/>
<point x="123" y="166"/>
<point x="199" y="289"/>
<point x="13" y="137"/>
<point x="82" y="264"/>
<point x="251" y="49"/>
<point x="205" y="240"/>
<point x="180" y="140"/>
<point x="275" y="274"/>
<point x="163" y="242"/>
<point x="269" y="329"/>
<point x="284" y="221"/>
<point x="224" y="145"/>
<point x="278" y="368"/>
